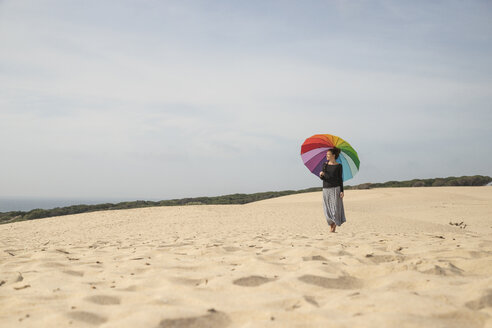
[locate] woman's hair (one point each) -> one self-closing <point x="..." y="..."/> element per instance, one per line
<point x="335" y="151"/>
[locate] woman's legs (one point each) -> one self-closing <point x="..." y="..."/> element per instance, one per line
<point x="328" y="206"/>
<point x="333" y="226"/>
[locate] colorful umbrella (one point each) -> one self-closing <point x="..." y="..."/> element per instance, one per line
<point x="313" y="153"/>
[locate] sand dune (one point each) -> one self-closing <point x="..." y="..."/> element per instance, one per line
<point x="396" y="262"/>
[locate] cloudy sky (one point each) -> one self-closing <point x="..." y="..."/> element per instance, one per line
<point x="171" y="99"/>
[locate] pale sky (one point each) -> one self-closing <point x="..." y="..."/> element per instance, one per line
<point x="171" y="99"/>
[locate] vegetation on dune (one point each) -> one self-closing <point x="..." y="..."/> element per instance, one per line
<point x="475" y="180"/>
<point x="15" y="216"/>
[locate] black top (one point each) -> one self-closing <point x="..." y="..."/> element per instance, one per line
<point x="333" y="176"/>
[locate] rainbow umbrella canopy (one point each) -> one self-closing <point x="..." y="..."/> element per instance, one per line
<point x="313" y="153"/>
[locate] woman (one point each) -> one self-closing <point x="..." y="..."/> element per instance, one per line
<point x="331" y="174"/>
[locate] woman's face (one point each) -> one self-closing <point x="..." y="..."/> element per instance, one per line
<point x="329" y="155"/>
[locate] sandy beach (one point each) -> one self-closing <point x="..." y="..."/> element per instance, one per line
<point x="396" y="262"/>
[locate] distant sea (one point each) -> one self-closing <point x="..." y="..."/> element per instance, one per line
<point x="8" y="204"/>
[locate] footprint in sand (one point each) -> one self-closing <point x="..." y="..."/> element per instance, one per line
<point x="479" y="254"/>
<point x="482" y="302"/>
<point x="384" y="258"/>
<point x="458" y="318"/>
<point x="231" y="248"/>
<point x="252" y="281"/>
<point x="450" y="269"/>
<point x="87" y="317"/>
<point x="74" y="273"/>
<point x="314" y="258"/>
<point x="311" y="300"/>
<point x="103" y="299"/>
<point x="344" y="282"/>
<point x="132" y="288"/>
<point x="214" y="319"/>
<point x="53" y="264"/>
<point x="189" y="281"/>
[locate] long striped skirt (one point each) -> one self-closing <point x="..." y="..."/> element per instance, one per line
<point x="333" y="206"/>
